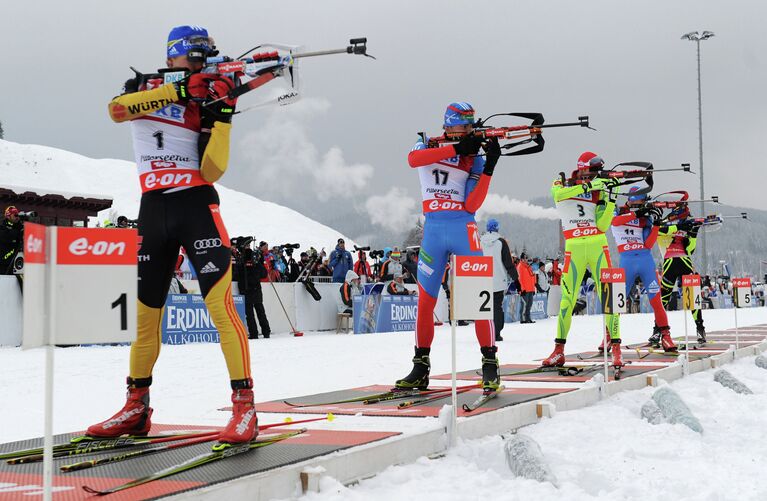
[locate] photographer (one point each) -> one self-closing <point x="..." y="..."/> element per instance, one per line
<point x="362" y="267"/>
<point x="340" y="261"/>
<point x="251" y="270"/>
<point x="292" y="269"/>
<point x="10" y="239"/>
<point x="411" y="267"/>
<point x="376" y="256"/>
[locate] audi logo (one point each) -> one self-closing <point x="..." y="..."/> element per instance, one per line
<point x="208" y="243"/>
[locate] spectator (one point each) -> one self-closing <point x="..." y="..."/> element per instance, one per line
<point x="411" y="267"/>
<point x="349" y="288"/>
<point x="541" y="279"/>
<point x="503" y="271"/>
<point x="322" y="269"/>
<point x="556" y="273"/>
<point x="10" y="239"/>
<point x="252" y="271"/>
<point x="391" y="266"/>
<point x="362" y="267"/>
<point x="268" y="258"/>
<point x="303" y="262"/>
<point x="279" y="264"/>
<point x="527" y="288"/>
<point x="340" y="261"/>
<point x="396" y="287"/>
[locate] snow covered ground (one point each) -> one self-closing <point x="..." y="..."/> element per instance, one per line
<point x="601" y="452"/>
<point x="606" y="452"/>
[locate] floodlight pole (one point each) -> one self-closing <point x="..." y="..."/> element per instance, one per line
<point x="695" y="37"/>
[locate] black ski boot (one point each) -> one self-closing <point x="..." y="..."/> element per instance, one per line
<point x="419" y="376"/>
<point x="655" y="338"/>
<point x="491" y="381"/>
<point x="701" y="333"/>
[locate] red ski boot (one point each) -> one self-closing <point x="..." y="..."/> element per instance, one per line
<point x="557" y="357"/>
<point x="133" y="418"/>
<point x="665" y="339"/>
<point x="243" y="425"/>
<point x="617" y="356"/>
<point x="602" y="344"/>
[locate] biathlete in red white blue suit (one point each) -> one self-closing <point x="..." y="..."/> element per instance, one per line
<point x="454" y="183"/>
<point x="635" y="235"/>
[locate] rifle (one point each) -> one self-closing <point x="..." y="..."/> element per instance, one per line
<point x="532" y="132"/>
<point x="710" y="220"/>
<point x="261" y="67"/>
<point x="644" y="173"/>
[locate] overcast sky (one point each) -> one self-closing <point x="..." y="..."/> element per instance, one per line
<point x="622" y="63"/>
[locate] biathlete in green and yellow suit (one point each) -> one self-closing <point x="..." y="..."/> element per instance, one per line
<point x="586" y="209"/>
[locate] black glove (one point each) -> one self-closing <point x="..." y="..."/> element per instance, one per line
<point x="222" y="110"/>
<point x="132" y="84"/>
<point x="468" y="145"/>
<point x="492" y="154"/>
<point x="656" y="213"/>
<point x="612" y="189"/>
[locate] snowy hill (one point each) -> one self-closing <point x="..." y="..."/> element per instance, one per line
<point x="44" y="169"/>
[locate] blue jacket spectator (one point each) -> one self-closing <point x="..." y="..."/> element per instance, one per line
<point x="340" y="261"/>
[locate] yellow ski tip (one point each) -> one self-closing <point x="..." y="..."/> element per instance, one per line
<point x="331" y="417"/>
<point x="288" y="420"/>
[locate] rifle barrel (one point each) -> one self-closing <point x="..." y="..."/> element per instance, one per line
<point x="320" y="53"/>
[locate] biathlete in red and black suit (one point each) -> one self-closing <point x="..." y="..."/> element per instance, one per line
<point x="181" y="149"/>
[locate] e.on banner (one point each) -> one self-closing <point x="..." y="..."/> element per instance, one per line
<point x="96" y="246"/>
<point x="690" y="280"/>
<point x="741" y="283"/>
<point x="34" y="243"/>
<point x="474" y="266"/>
<point x="612" y="275"/>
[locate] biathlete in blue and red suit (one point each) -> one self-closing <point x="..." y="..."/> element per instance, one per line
<point x="635" y="235"/>
<point x="454" y="183"/>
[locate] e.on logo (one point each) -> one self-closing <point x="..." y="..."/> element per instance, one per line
<point x="96" y="246"/>
<point x="34" y="245"/>
<point x="82" y="246"/>
<point x="474" y="266"/>
<point x="612" y="275"/>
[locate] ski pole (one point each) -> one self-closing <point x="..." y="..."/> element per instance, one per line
<point x="293" y="329"/>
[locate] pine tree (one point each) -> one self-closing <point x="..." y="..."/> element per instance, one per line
<point x="415" y="235"/>
<point x="1" y="130"/>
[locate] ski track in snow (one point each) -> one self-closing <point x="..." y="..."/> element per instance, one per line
<point x="601" y="452"/>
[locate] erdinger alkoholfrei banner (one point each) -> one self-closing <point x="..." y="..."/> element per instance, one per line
<point x="513" y="304"/>
<point x="382" y="313"/>
<point x="187" y="319"/>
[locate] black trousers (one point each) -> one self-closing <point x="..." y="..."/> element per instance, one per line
<point x="254" y="299"/>
<point x="527" y="297"/>
<point x="498" y="319"/>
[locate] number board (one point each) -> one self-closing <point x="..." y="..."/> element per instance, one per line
<point x="471" y="297"/>
<point x="742" y="290"/>
<point x="90" y="297"/>
<point x="612" y="282"/>
<point x="691" y="299"/>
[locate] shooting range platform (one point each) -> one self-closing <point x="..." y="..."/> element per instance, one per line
<point x="27" y="480"/>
